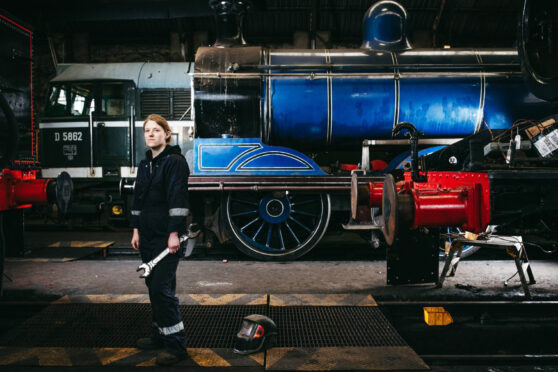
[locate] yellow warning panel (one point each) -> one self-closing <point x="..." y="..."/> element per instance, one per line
<point x="437" y="316"/>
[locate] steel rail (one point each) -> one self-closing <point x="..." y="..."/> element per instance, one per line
<point x="429" y="358"/>
<point x="437" y="303"/>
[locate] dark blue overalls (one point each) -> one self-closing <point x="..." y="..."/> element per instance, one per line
<point x="160" y="207"/>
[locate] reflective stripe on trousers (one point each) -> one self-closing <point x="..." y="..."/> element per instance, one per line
<point x="172" y="329"/>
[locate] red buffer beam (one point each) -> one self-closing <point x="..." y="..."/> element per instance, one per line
<point x="460" y="199"/>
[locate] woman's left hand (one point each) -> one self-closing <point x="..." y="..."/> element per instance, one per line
<point x="174" y="242"/>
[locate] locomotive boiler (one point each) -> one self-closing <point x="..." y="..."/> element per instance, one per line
<point x="277" y="132"/>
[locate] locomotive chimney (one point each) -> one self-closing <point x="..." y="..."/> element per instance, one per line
<point x="229" y="17"/>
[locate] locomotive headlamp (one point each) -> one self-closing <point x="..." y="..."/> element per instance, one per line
<point x="116" y="210"/>
<point x="255" y="334"/>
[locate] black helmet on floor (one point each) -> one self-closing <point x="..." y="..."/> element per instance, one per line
<point x="255" y="334"/>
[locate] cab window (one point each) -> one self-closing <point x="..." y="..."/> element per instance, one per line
<point x="70" y="100"/>
<point x="57" y="103"/>
<point x="82" y="99"/>
<point x="112" y="99"/>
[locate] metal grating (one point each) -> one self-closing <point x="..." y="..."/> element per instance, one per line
<point x="171" y="104"/>
<point x="325" y="326"/>
<point x="181" y="102"/>
<point x="120" y="325"/>
<point x="155" y="101"/>
<point x="216" y="326"/>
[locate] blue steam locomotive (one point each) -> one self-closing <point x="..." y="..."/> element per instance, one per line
<point x="275" y="127"/>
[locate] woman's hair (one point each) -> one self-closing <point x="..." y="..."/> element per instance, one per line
<point x="162" y="122"/>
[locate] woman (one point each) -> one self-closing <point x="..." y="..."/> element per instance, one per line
<point x="158" y="217"/>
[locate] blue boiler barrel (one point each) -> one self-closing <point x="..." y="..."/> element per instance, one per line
<point x="361" y="94"/>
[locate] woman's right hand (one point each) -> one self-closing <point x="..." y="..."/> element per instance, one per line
<point x="135" y="240"/>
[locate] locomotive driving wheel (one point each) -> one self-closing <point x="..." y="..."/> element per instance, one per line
<point x="276" y="226"/>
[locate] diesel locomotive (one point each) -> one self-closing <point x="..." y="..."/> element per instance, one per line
<point x="288" y="140"/>
<point x="92" y="127"/>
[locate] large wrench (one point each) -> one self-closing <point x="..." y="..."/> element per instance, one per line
<point x="193" y="232"/>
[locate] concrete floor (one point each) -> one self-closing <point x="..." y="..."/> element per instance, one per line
<point x="52" y="279"/>
<point x="339" y="264"/>
<point x="351" y="269"/>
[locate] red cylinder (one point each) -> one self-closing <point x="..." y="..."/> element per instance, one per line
<point x="435" y="208"/>
<point x="376" y="194"/>
<point x="28" y="192"/>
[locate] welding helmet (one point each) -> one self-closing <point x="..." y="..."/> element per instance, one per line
<point x="255" y="334"/>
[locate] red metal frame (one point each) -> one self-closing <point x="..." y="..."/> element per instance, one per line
<point x="446" y="199"/>
<point x="21" y="188"/>
<point x="473" y="198"/>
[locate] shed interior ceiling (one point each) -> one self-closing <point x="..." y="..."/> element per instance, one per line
<point x="462" y="23"/>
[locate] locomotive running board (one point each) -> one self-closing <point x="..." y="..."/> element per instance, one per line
<point x="267" y="183"/>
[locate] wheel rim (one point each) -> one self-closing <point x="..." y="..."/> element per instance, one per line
<point x="277" y="223"/>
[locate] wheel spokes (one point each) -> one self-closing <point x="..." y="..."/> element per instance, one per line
<point x="269" y="232"/>
<point x="281" y="240"/>
<point x="243" y="213"/>
<point x="258" y="232"/>
<point x="250" y="223"/>
<point x="292" y="232"/>
<point x="260" y="228"/>
<point x="304" y="213"/>
<point x="299" y="223"/>
<point x="303" y="202"/>
<point x="247" y="202"/>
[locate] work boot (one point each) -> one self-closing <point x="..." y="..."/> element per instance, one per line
<point x="148" y="343"/>
<point x="164" y="358"/>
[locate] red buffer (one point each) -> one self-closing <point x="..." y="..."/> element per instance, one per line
<point x="21" y="188"/>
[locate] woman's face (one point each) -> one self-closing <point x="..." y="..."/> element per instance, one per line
<point x="155" y="136"/>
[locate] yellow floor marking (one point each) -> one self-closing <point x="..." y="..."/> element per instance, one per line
<point x="204" y="299"/>
<point x="329" y="300"/>
<point x="276" y="354"/>
<point x="275" y="301"/>
<point x="258" y="301"/>
<point x="81" y="244"/>
<point x="207" y="358"/>
<point x="47" y="356"/>
<point x="320" y="361"/>
<point x="109" y="355"/>
<point x="27" y="260"/>
<point x="148" y="363"/>
<point x="42" y="260"/>
<point x="104" y="244"/>
<point x="116" y="299"/>
<point x="63" y="300"/>
<point x="54" y="245"/>
<point x="368" y="301"/>
<point x="259" y="358"/>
